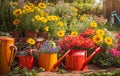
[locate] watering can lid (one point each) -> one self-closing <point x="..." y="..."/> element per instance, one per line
<point x="6" y="38"/>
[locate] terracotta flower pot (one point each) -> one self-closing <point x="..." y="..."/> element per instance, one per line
<point x="31" y="34"/>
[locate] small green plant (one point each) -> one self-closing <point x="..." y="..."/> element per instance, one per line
<point x="62" y="71"/>
<point x="41" y="69"/>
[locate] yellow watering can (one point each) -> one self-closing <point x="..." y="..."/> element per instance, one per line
<point x="7" y="54"/>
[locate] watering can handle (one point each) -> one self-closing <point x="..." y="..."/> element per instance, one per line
<point x="13" y="53"/>
<point x="97" y="50"/>
<point x="59" y="61"/>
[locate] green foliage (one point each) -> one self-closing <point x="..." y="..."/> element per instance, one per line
<point x="62" y="71"/>
<point x="5" y="16"/>
<point x="87" y="6"/>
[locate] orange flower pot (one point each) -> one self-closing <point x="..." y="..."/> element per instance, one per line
<point x="47" y="61"/>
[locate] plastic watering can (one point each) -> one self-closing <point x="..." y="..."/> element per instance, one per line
<point x="76" y="59"/>
<point x="7" y="54"/>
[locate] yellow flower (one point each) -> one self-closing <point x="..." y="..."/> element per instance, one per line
<point x="14" y="3"/>
<point x="41" y="5"/>
<point x="60" y="23"/>
<point x="47" y="28"/>
<point x="82" y="18"/>
<point x="24" y="12"/>
<point x="43" y="19"/>
<point x="37" y="17"/>
<point x="60" y="33"/>
<point x="93" y="24"/>
<point x="97" y="39"/>
<point x="31" y="41"/>
<point x="33" y="20"/>
<point x="108" y="40"/>
<point x="74" y="9"/>
<point x="31" y="5"/>
<point x="74" y="33"/>
<point x="17" y="12"/>
<point x="100" y="32"/>
<point x="16" y="21"/>
<point x="37" y="8"/>
<point x="27" y="8"/>
<point x="42" y="13"/>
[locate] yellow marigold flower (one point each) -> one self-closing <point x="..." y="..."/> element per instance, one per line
<point x="51" y="4"/>
<point x="74" y="33"/>
<point x="42" y="13"/>
<point x="83" y="18"/>
<point x="31" y="41"/>
<point x="55" y="18"/>
<point x="58" y="18"/>
<point x="17" y="12"/>
<point x="50" y="18"/>
<point x="60" y="33"/>
<point x="37" y="17"/>
<point x="27" y="8"/>
<point x="24" y="12"/>
<point x="97" y="39"/>
<point x="74" y="9"/>
<point x="108" y="40"/>
<point x="43" y="19"/>
<point x="31" y="5"/>
<point x="60" y="23"/>
<point x="37" y="8"/>
<point x="32" y="10"/>
<point x="47" y="28"/>
<point x="16" y="21"/>
<point x="14" y="3"/>
<point x="33" y="20"/>
<point x="100" y="32"/>
<point x="41" y="5"/>
<point x="93" y="24"/>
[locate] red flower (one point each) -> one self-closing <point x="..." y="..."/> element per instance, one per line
<point x="79" y="42"/>
<point x="88" y="31"/>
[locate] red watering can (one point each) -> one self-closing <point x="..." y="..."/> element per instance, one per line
<point x="76" y="59"/>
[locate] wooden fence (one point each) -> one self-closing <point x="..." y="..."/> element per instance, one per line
<point x="109" y="6"/>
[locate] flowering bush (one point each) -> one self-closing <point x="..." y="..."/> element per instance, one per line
<point x="79" y="42"/>
<point x="32" y="17"/>
<point x="49" y="47"/>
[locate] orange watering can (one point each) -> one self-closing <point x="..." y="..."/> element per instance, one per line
<point x="7" y="54"/>
<point x="76" y="59"/>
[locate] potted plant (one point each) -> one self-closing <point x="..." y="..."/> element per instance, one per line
<point x="27" y="18"/>
<point x="48" y="54"/>
<point x="26" y="58"/>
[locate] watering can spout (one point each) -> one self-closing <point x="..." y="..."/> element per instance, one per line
<point x="97" y="50"/>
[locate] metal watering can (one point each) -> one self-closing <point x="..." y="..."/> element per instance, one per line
<point x="7" y="54"/>
<point x="114" y="14"/>
<point x="76" y="59"/>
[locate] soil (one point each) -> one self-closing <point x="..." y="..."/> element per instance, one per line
<point x="91" y="69"/>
